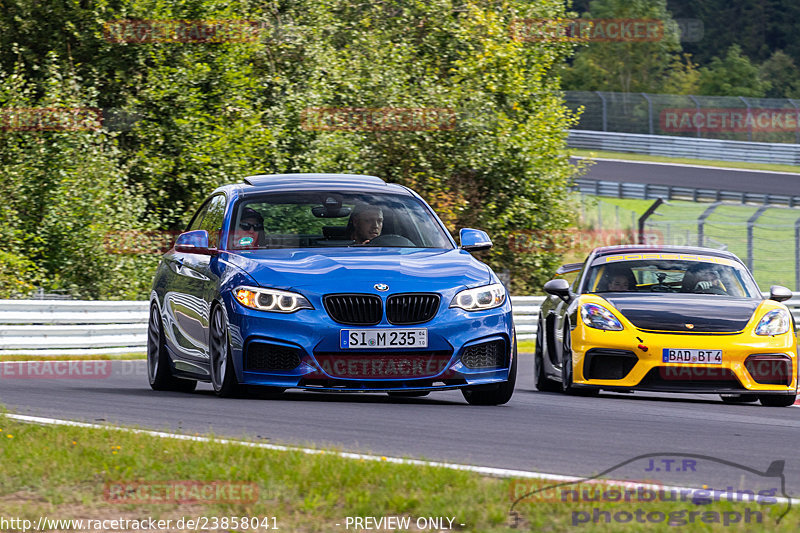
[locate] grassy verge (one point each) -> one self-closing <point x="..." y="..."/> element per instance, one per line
<point x="594" y="154"/>
<point x="65" y="472"/>
<point x="526" y="346"/>
<point x="113" y="357"/>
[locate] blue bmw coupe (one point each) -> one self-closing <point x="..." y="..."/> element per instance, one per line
<point x="328" y="282"/>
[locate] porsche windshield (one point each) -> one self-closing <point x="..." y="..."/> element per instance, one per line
<point x="682" y="273"/>
<point x="312" y="219"/>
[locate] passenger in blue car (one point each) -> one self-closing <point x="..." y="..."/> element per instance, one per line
<point x="250" y="231"/>
<point x="365" y="224"/>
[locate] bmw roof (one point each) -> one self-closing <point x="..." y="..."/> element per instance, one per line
<point x="316" y="179"/>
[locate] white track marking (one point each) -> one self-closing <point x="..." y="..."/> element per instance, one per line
<point x="484" y="470"/>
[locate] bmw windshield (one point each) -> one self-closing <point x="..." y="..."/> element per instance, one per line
<point x="313" y="219"/>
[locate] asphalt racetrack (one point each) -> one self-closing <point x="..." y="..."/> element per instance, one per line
<point x="699" y="177"/>
<point x="536" y="431"/>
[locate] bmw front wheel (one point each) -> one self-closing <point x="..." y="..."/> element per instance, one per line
<point x="158" y="365"/>
<point x="223" y="375"/>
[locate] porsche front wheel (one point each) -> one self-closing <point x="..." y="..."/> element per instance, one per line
<point x="543" y="383"/>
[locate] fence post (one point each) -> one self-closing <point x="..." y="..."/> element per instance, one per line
<point x="605" y="110"/>
<point x="797" y="254"/>
<point x="649" y="112"/>
<point x="750" y="223"/>
<point x="796" y="121"/>
<point x="701" y="222"/>
<point x="645" y="216"/>
<point x="697" y="106"/>
<point x="749" y="122"/>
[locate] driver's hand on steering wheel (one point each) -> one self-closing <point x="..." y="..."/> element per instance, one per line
<point x="703" y="285"/>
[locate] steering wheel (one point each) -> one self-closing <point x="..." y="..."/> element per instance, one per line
<point x="391" y="239"/>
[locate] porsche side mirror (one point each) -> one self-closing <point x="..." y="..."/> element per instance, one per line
<point x="779" y="293"/>
<point x="194" y="242"/>
<point x="558" y="287"/>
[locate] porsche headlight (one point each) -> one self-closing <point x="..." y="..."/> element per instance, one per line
<point x="776" y="322"/>
<point x="598" y="317"/>
<point x="480" y="298"/>
<point x="271" y="300"/>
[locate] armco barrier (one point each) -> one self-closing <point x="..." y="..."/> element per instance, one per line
<point x="688" y="147"/>
<point x="72" y="327"/>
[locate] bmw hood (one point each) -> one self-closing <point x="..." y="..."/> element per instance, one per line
<point x="359" y="269"/>
<point x="672" y="312"/>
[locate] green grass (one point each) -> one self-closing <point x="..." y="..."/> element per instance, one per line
<point x="61" y="472"/>
<point x="93" y="357"/>
<point x="594" y="154"/>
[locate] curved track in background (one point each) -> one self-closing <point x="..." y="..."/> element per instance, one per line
<point x="695" y="176"/>
<point x="535" y="431"/>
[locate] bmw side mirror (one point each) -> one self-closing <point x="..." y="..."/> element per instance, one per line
<point x="474" y="240"/>
<point x="779" y="293"/>
<point x="194" y="242"/>
<point x="558" y="287"/>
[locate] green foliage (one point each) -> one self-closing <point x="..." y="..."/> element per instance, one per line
<point x="63" y="192"/>
<point x="628" y="66"/>
<point x="733" y="75"/>
<point x="202" y="114"/>
<point x="780" y="70"/>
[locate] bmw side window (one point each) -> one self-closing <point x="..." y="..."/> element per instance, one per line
<point x="198" y="217"/>
<point x="213" y="220"/>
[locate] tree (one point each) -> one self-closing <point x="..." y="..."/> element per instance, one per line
<point x="781" y="72"/>
<point x="733" y="75"/>
<point x="626" y="66"/>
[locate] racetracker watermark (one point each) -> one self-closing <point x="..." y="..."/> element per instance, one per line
<point x="559" y="241"/>
<point x="728" y="120"/>
<point x="399" y="366"/>
<point x="587" y="30"/>
<point x="377" y="119"/>
<point x="180" y="491"/>
<point x="181" y="31"/>
<point x="55" y="369"/>
<point x="51" y="119"/>
<point x="135" y="242"/>
<point x="772" y="369"/>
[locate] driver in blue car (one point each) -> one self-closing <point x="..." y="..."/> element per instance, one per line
<point x="365" y="224"/>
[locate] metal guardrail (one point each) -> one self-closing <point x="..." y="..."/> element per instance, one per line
<point x="32" y="327"/>
<point x="647" y="191"/>
<point x="72" y="327"/>
<point x="688" y="147"/>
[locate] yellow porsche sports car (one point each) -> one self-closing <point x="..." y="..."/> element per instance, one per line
<point x="667" y="319"/>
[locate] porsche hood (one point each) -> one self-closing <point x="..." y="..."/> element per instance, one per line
<point x="685" y="313"/>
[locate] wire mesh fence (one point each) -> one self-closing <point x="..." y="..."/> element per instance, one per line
<point x="711" y="117"/>
<point x="766" y="238"/>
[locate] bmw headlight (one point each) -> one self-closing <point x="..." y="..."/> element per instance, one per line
<point x="480" y="298"/>
<point x="598" y="317"/>
<point x="776" y="322"/>
<point x="271" y="299"/>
